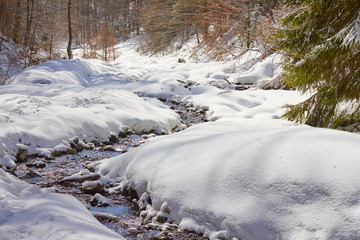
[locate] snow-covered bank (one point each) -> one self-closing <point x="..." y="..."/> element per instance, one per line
<point x="48" y="105"/>
<point x="234" y="106"/>
<point x="26" y="212"/>
<point x="245" y="175"/>
<point x="247" y="181"/>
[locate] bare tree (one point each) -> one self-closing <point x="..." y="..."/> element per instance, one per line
<point x="69" y="52"/>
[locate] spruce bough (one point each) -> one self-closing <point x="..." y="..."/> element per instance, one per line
<point x="322" y="42"/>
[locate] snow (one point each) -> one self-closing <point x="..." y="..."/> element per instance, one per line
<point x="47" y="105"/>
<point x="245" y="174"/>
<point x="249" y="181"/>
<point x="27" y="212"/>
<point x="11" y="59"/>
<point x="351" y="33"/>
<point x="251" y="104"/>
<point x="265" y="70"/>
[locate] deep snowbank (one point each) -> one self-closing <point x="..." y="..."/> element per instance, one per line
<point x="250" y="180"/>
<point x="26" y="212"/>
<point x="48" y="105"/>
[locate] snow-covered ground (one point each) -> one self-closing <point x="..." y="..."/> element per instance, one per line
<point x="248" y="180"/>
<point x="246" y="174"/>
<point x="27" y="212"/>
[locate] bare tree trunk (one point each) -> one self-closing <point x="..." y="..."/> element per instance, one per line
<point x="17" y="22"/>
<point x="69" y="52"/>
<point x="137" y="16"/>
<point x="29" y="19"/>
<point x="51" y="46"/>
<point x="27" y="42"/>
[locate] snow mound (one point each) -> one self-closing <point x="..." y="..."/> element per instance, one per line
<point x="249" y="181"/>
<point x="250" y="104"/>
<point x="28" y="213"/>
<point x="266" y="70"/>
<point x="48" y="105"/>
<point x="74" y="72"/>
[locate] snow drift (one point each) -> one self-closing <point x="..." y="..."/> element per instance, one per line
<point x="48" y="105"/>
<point x="26" y="212"/>
<point x="249" y="181"/>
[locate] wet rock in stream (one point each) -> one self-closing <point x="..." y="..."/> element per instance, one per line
<point x="99" y="201"/>
<point x="36" y="164"/>
<point x="82" y="176"/>
<point x="92" y="187"/>
<point x="22" y="153"/>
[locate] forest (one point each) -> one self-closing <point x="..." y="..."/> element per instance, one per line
<point x="179" y="119"/>
<point x="38" y="24"/>
<point x="300" y="30"/>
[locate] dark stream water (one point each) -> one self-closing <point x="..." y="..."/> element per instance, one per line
<point x="50" y="173"/>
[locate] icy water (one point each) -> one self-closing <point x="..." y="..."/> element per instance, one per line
<point x="124" y="216"/>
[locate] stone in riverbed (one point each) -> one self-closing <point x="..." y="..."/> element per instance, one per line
<point x="75" y="146"/>
<point x="162" y="217"/>
<point x="92" y="187"/>
<point x="109" y="148"/>
<point x="114" y="138"/>
<point x="30" y="174"/>
<point x="82" y="176"/>
<point x="99" y="200"/>
<point x="22" y="154"/>
<point x="36" y="164"/>
<point x="103" y="216"/>
<point x="165" y="235"/>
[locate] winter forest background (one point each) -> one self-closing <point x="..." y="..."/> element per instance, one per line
<point x="321" y="38"/>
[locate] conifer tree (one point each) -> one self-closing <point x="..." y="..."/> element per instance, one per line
<point x="323" y="39"/>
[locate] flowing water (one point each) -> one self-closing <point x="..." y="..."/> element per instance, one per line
<point x="121" y="214"/>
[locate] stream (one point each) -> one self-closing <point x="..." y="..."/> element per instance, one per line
<point x="117" y="212"/>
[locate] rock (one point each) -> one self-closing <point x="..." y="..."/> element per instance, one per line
<point x="103" y="216"/>
<point x="29" y="175"/>
<point x="22" y="154"/>
<point x="165" y="208"/>
<point x="143" y="214"/>
<point x="148" y="136"/>
<point x="36" y="164"/>
<point x="71" y="151"/>
<point x="82" y="176"/>
<point x="144" y="201"/>
<point x="90" y="167"/>
<point x="114" y="138"/>
<point x="99" y="200"/>
<point x="180" y="60"/>
<point x="75" y="140"/>
<point x="109" y="148"/>
<point x="166" y="235"/>
<point x="92" y="187"/>
<point x="76" y="146"/>
<point x="123" y="133"/>
<point x="162" y="217"/>
<point x="57" y="153"/>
